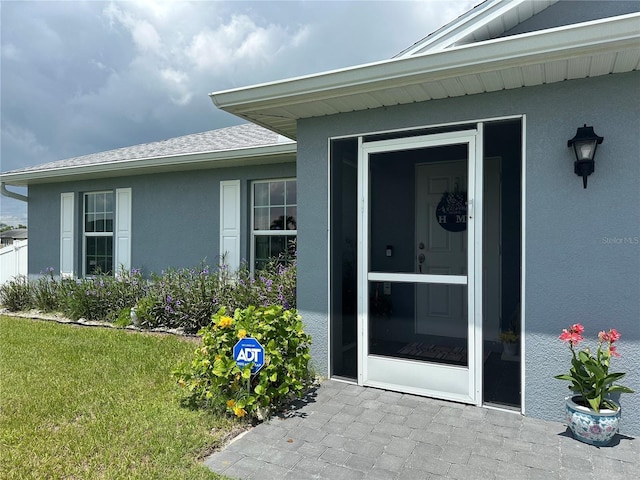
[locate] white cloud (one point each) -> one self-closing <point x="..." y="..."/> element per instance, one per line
<point x="144" y="34"/>
<point x="239" y="41"/>
<point x="178" y="82"/>
<point x="95" y="76"/>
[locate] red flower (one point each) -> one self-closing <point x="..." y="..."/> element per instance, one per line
<point x="612" y="351"/>
<point x="570" y="336"/>
<point x="603" y="336"/>
<point x="614" y="336"/>
<point x="577" y="328"/>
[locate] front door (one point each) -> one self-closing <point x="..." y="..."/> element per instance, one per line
<point x="417" y="265"/>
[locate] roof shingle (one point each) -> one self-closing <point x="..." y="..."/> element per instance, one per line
<point x="230" y="138"/>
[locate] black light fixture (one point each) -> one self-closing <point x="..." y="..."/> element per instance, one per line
<point x="584" y="146"/>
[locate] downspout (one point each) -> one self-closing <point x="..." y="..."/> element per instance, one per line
<point x="7" y="193"/>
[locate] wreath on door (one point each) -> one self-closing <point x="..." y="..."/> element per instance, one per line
<point x="451" y="212"/>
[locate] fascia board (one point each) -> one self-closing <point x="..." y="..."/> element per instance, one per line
<point x="547" y="45"/>
<point x="221" y="158"/>
<point x="462" y="27"/>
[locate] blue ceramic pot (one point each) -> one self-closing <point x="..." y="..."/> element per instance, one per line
<point x="589" y="426"/>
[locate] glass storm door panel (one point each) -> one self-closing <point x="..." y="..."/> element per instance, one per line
<point x="416" y="315"/>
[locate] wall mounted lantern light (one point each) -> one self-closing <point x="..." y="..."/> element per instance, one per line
<point x="584" y="146"/>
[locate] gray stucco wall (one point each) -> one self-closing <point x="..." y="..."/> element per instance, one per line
<point x="582" y="246"/>
<point x="567" y="12"/>
<point x="175" y="216"/>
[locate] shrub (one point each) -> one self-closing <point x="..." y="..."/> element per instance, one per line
<point x="16" y="294"/>
<point x="185" y="298"/>
<point x="213" y="379"/>
<point x="102" y="297"/>
<point x="47" y="292"/>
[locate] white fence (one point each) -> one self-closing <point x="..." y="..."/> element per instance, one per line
<point x="13" y="260"/>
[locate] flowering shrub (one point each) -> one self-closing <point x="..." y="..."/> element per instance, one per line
<point x="213" y="379"/>
<point x="46" y="292"/>
<point x="187" y="298"/>
<point x="16" y="294"/>
<point x="184" y="298"/>
<point x="589" y="374"/>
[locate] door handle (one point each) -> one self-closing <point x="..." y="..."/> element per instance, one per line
<point x="421" y="259"/>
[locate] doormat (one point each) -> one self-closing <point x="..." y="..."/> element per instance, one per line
<point x="432" y="351"/>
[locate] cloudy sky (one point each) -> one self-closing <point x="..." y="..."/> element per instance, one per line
<point x="85" y="77"/>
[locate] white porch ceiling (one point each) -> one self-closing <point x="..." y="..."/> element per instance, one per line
<point x="583" y="50"/>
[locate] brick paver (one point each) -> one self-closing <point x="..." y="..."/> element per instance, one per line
<point x="343" y="431"/>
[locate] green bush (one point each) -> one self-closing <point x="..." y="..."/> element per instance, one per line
<point x="213" y="380"/>
<point x="188" y="297"/>
<point x="46" y="292"/>
<point x="102" y="297"/>
<point x="17" y="294"/>
<point x="185" y="298"/>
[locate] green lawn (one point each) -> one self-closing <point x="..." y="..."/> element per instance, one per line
<point x="83" y="402"/>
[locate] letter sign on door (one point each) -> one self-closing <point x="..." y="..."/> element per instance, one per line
<point x="249" y="351"/>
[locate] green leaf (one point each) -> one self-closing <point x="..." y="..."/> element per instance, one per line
<point x="595" y="403"/>
<point x="619" y="389"/>
<point x="283" y="389"/>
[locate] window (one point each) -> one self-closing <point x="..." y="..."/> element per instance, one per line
<point x="274" y="220"/>
<point x="104" y="242"/>
<point x="98" y="232"/>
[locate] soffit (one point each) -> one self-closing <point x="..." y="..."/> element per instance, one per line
<point x="583" y="50"/>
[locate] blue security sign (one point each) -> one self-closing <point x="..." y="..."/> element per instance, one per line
<point x="248" y="350"/>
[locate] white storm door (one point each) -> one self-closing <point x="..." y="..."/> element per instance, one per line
<point x="417" y="263"/>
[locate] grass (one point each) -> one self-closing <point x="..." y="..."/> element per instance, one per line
<point x="81" y="402"/>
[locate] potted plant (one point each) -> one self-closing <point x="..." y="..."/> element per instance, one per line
<point x="592" y="415"/>
<point x="509" y="339"/>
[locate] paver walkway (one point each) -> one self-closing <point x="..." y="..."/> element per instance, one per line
<point x="341" y="431"/>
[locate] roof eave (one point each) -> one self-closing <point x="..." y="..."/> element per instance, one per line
<point x="533" y="47"/>
<point x="281" y="153"/>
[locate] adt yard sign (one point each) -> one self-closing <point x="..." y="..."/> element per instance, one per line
<point x="248" y="350"/>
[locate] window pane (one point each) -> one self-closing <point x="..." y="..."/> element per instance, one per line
<point x="262" y="247"/>
<point x="292" y="218"/>
<point x="261" y="194"/>
<point x="99" y="222"/>
<point x="100" y="202"/>
<point x="268" y="247"/>
<point x="109" y="203"/>
<point x="261" y="218"/>
<point x="99" y="251"/>
<point x="277" y="245"/>
<point x="277" y="193"/>
<point x="89" y="223"/>
<point x="89" y="203"/>
<point x="277" y="218"/>
<point x="292" y="197"/>
<point x="98" y="212"/>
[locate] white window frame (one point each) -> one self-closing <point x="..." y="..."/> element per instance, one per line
<point x="86" y="234"/>
<point x="270" y="233"/>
